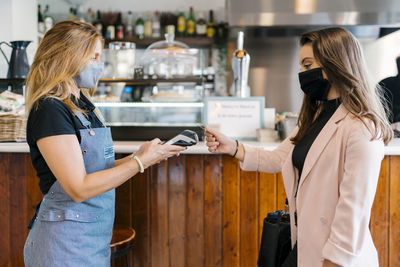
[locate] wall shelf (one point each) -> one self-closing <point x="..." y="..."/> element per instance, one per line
<point x="21" y="81"/>
<point x="190" y="41"/>
<point x="16" y="84"/>
<point x="12" y="80"/>
<point x="153" y="81"/>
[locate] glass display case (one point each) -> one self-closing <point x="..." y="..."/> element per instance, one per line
<point x="161" y="117"/>
<point x="145" y="121"/>
<point x="152" y="114"/>
<point x="162" y="97"/>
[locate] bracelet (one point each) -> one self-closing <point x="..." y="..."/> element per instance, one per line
<point x="141" y="168"/>
<point x="237" y="148"/>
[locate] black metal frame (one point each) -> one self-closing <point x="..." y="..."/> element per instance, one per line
<point x="122" y="252"/>
<point x="16" y="84"/>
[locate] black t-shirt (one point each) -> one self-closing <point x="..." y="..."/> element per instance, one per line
<point x="53" y="117"/>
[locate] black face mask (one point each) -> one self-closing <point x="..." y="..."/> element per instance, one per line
<point x="314" y="85"/>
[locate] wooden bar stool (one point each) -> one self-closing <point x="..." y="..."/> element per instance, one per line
<point x="122" y="242"/>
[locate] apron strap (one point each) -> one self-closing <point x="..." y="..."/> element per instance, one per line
<point x="82" y="119"/>
<point x="30" y="225"/>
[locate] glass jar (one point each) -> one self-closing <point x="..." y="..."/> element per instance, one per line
<point x="121" y="56"/>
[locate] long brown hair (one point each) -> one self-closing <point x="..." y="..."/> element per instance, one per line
<point x="341" y="57"/>
<point x="64" y="50"/>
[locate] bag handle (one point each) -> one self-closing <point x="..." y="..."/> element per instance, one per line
<point x="286" y="205"/>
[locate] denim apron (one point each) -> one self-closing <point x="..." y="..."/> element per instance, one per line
<point x="71" y="234"/>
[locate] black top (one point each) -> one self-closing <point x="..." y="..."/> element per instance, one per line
<point x="300" y="151"/>
<point x="53" y="117"/>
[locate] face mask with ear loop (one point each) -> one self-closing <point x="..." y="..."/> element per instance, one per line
<point x="314" y="85"/>
<point x="89" y="77"/>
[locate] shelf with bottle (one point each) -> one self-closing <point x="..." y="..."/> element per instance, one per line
<point x="190" y="41"/>
<point x="147" y="28"/>
<point x="12" y="80"/>
<point x="196" y="29"/>
<point x="15" y="85"/>
<point x="177" y="89"/>
<point x="150" y="81"/>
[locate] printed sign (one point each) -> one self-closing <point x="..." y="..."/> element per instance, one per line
<point x="235" y="117"/>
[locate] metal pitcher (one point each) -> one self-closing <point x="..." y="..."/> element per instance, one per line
<point x="18" y="65"/>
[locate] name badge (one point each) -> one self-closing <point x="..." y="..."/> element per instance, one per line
<point x="108" y="152"/>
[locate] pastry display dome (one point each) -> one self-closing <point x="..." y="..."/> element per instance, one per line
<point x="169" y="59"/>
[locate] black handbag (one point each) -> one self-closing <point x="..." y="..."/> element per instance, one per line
<point x="275" y="239"/>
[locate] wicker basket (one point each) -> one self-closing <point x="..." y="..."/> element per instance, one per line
<point x="12" y="128"/>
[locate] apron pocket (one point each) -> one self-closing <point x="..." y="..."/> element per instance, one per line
<point x="68" y="215"/>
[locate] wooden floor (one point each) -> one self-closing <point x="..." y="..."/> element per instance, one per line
<point x="195" y="210"/>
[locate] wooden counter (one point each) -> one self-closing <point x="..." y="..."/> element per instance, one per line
<point x="194" y="210"/>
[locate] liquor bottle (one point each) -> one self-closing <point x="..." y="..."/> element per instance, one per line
<point x="156" y="30"/>
<point x="119" y="27"/>
<point x="181" y="24"/>
<point x="221" y="33"/>
<point x="98" y="24"/>
<point x="139" y="28"/>
<point x="129" y="24"/>
<point x="79" y="14"/>
<point x="148" y="30"/>
<point x="41" y="27"/>
<point x="201" y="25"/>
<point x="48" y="20"/>
<point x="210" y="25"/>
<point x="72" y="14"/>
<point x="168" y="20"/>
<point x="90" y="17"/>
<point x="170" y="29"/>
<point x="126" y="95"/>
<point x="191" y="24"/>
<point x="110" y="32"/>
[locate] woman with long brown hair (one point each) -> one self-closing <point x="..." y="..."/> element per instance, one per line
<point x="72" y="152"/>
<point x="330" y="164"/>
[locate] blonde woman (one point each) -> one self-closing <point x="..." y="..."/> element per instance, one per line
<point x="330" y="164"/>
<point x="72" y="152"/>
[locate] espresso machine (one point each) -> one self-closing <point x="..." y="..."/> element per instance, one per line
<point x="240" y="67"/>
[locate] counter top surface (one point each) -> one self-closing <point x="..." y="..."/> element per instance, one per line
<point x="126" y="147"/>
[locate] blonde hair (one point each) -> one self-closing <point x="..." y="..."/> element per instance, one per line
<point x="64" y="50"/>
<point x="340" y="55"/>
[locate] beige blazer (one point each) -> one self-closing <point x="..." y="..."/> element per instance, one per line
<point x="336" y="191"/>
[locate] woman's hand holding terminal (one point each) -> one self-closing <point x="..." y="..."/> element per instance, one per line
<point x="154" y="151"/>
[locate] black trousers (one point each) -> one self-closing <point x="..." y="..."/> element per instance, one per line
<point x="291" y="260"/>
